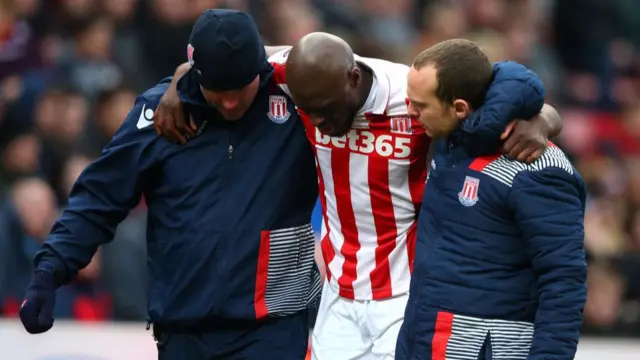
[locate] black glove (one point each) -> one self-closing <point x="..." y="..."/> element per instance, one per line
<point x="36" y="311"/>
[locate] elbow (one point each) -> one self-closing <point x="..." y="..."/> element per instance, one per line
<point x="568" y="266"/>
<point x="562" y="296"/>
<point x="566" y="283"/>
<point x="553" y="119"/>
<point x="572" y="269"/>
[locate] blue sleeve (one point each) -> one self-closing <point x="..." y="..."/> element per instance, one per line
<point x="549" y="208"/>
<point x="101" y="197"/>
<point x="166" y="80"/>
<point x="515" y="93"/>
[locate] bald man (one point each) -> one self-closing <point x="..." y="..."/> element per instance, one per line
<point x="372" y="166"/>
<point x="340" y="85"/>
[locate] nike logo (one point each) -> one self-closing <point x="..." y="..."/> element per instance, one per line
<point x="145" y="119"/>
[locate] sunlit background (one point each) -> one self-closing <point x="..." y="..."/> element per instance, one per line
<point x="70" y="70"/>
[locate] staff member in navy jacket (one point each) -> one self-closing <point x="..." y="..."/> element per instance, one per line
<point x="500" y="269"/>
<point x="230" y="246"/>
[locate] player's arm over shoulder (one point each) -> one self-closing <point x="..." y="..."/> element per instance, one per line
<point x="516" y="92"/>
<point x="278" y="60"/>
<point x="273" y="50"/>
<point x="279" y="57"/>
<point x="274" y="54"/>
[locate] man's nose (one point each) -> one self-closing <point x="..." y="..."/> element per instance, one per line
<point x="412" y="112"/>
<point x="316" y="120"/>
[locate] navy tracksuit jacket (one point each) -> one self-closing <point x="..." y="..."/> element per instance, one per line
<point x="228" y="234"/>
<point x="500" y="269"/>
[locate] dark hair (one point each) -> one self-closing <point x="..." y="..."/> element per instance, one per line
<point x="80" y="26"/>
<point x="464" y="71"/>
<point x="105" y="96"/>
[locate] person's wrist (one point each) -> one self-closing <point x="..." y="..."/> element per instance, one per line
<point x="47" y="272"/>
<point x="44" y="279"/>
<point x="542" y="122"/>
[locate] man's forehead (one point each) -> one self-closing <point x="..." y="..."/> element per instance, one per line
<point x="425" y="76"/>
<point x="423" y="81"/>
<point x="318" y="97"/>
<point x="318" y="102"/>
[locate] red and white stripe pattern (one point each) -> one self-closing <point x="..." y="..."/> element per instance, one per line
<point x="371" y="183"/>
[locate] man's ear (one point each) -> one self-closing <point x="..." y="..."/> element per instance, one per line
<point x="461" y="109"/>
<point x="354" y="77"/>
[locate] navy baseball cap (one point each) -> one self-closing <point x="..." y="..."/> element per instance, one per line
<point x="225" y="50"/>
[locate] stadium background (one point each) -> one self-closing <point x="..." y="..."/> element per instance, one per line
<point x="70" y="70"/>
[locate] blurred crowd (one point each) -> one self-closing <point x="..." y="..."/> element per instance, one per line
<point x="70" y="71"/>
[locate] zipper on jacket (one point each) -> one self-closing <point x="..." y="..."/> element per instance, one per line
<point x="452" y="149"/>
<point x="232" y="134"/>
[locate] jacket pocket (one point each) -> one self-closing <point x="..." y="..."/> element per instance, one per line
<point x="284" y="275"/>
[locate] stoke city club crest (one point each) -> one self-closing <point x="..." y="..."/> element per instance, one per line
<point x="468" y="196"/>
<point x="278" y="112"/>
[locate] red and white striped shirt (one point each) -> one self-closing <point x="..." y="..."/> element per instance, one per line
<point x="371" y="183"/>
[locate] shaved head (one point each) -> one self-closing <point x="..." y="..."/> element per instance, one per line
<point x="324" y="79"/>
<point x="320" y="56"/>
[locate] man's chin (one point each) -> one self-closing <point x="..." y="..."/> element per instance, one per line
<point x="231" y="116"/>
<point x="328" y="130"/>
<point x="334" y="133"/>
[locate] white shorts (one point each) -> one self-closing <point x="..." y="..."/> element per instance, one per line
<point x="356" y="330"/>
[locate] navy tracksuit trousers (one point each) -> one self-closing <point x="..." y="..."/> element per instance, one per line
<point x="278" y="338"/>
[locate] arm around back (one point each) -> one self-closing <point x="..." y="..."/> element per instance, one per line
<point x="515" y="93"/>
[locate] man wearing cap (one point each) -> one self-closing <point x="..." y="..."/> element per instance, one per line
<point x="230" y="246"/>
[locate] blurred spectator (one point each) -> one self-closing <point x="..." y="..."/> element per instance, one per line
<point x="110" y="110"/>
<point x="126" y="39"/>
<point x="167" y="25"/>
<point x="25" y="219"/>
<point x="90" y="67"/>
<point x="60" y="122"/>
<point x="70" y="71"/>
<point x="20" y="156"/>
<point x="18" y="45"/>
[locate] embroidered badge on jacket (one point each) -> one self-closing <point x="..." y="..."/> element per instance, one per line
<point x="468" y="196"/>
<point x="278" y="112"/>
